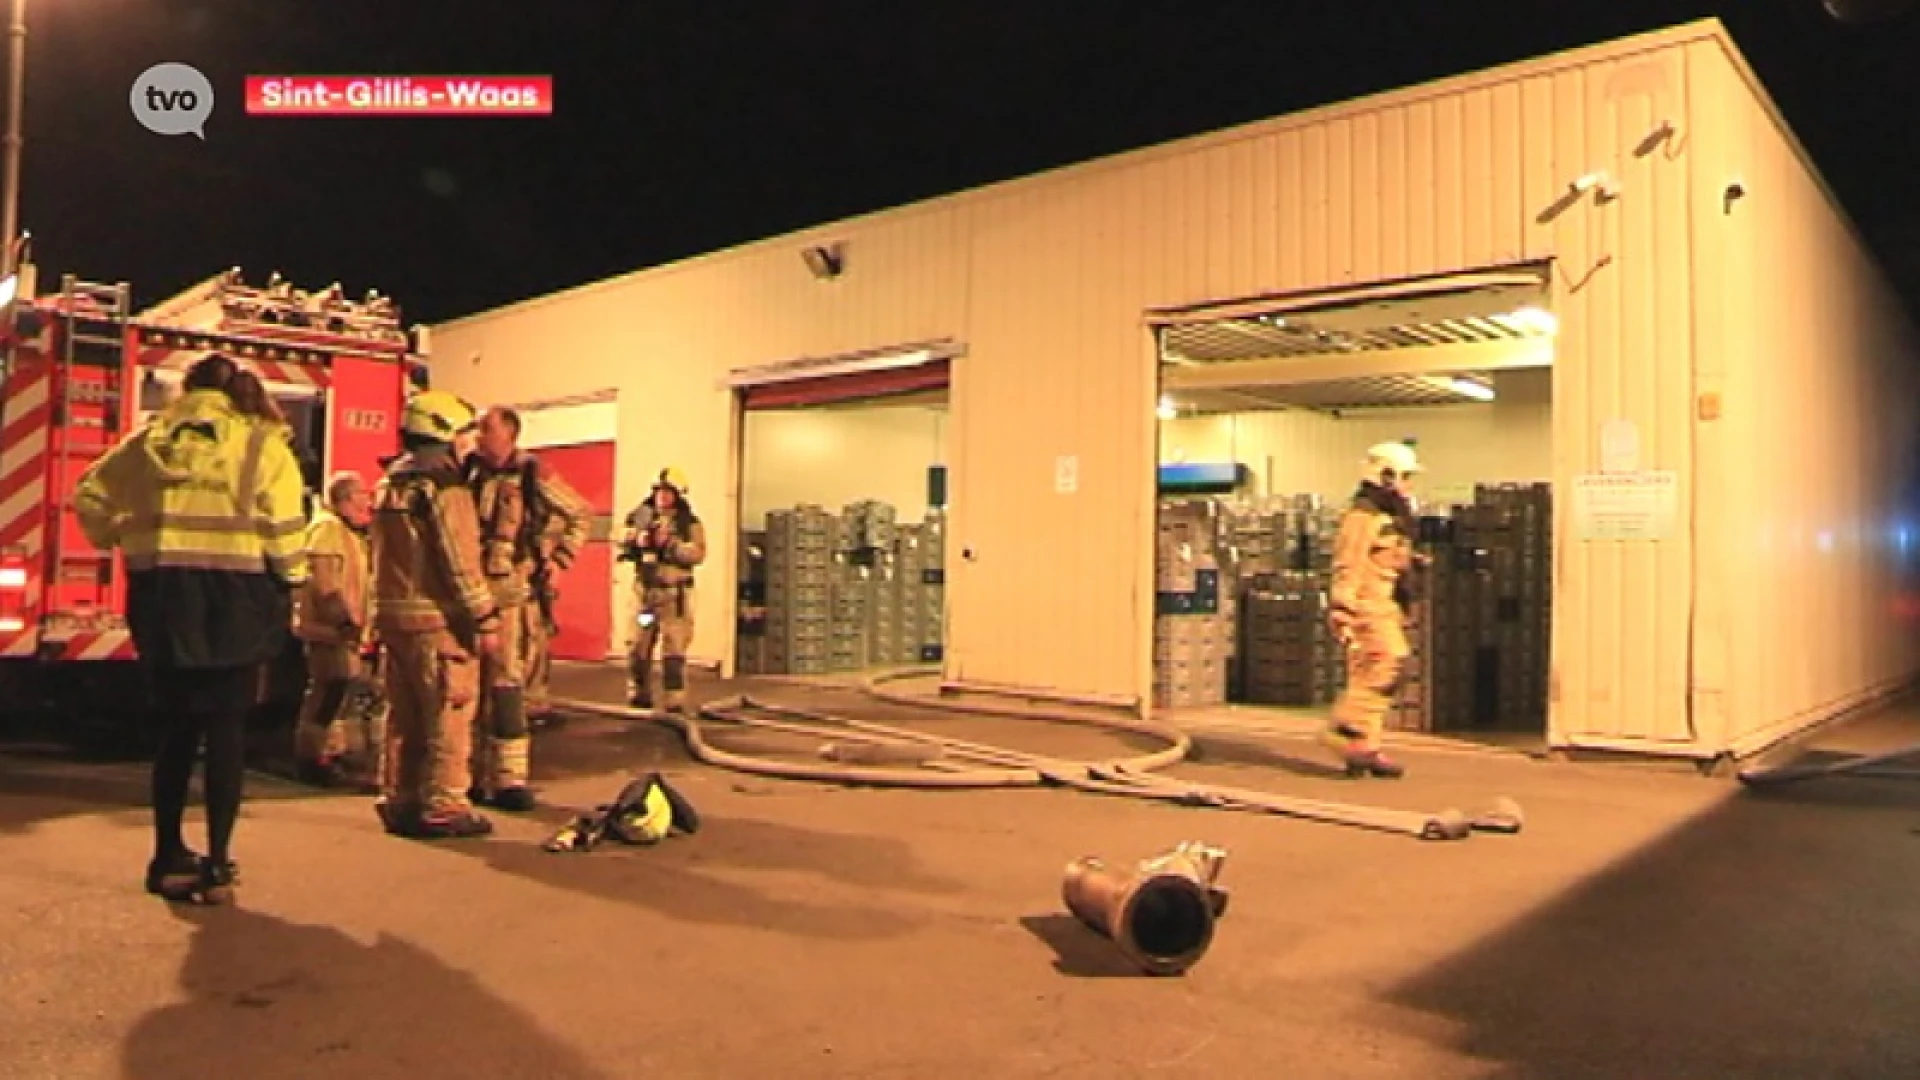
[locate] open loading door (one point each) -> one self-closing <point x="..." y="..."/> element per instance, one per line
<point x="894" y="372"/>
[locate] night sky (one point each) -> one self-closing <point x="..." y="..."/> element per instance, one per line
<point x="682" y="126"/>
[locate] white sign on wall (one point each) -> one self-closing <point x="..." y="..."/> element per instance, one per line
<point x="1066" y="474"/>
<point x="1619" y="447"/>
<point x="1626" y="506"/>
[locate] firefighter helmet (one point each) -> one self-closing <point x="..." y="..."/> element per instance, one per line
<point x="1389" y="461"/>
<point x="671" y="477"/>
<point x="437" y="415"/>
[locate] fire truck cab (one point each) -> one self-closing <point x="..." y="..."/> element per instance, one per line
<point x="79" y="370"/>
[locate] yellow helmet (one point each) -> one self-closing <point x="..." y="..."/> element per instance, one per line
<point x="673" y="478"/>
<point x="436" y="414"/>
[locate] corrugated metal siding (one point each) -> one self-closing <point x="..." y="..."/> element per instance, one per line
<point x="1424" y="187"/>
<point x="1306" y="453"/>
<point x="1818" y="448"/>
<point x="665" y="337"/>
<point x="1045" y="281"/>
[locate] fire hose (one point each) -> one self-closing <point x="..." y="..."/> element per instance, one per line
<point x="943" y="762"/>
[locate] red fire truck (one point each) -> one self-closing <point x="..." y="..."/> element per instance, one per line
<point x="79" y="370"/>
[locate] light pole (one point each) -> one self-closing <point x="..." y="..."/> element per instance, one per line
<point x="16" y="94"/>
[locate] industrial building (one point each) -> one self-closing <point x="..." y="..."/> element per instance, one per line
<point x="1667" y="401"/>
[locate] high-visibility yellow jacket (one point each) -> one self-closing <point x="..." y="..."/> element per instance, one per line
<point x="201" y="487"/>
<point x="333" y="608"/>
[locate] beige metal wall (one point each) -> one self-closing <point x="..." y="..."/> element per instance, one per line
<point x="665" y="337"/>
<point x="1456" y="177"/>
<point x="1818" y="436"/>
<point x="1046" y="280"/>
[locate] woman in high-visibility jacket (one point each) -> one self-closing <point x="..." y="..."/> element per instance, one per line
<point x="205" y="506"/>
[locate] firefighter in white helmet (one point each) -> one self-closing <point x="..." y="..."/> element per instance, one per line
<point x="1373" y="560"/>
<point x="665" y="541"/>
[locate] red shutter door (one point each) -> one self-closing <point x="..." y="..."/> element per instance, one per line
<point x="585" y="610"/>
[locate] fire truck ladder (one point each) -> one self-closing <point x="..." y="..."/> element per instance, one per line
<point x="95" y="338"/>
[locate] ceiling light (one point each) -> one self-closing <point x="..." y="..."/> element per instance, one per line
<point x="1534" y="320"/>
<point x="1166" y="409"/>
<point x="1478" y="391"/>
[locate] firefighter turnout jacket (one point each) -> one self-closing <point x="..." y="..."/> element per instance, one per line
<point x="333" y="608"/>
<point x="1373" y="551"/>
<point x="423" y="542"/>
<point x="528" y="515"/>
<point x="201" y="487"/>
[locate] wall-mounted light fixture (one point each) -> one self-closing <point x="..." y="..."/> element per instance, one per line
<point x="1602" y="186"/>
<point x="824" y="261"/>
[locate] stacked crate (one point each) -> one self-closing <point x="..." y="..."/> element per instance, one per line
<point x="750" y="656"/>
<point x="919" y="588"/>
<point x="1288" y="655"/>
<point x="1193" y="638"/>
<point x="1521" y="570"/>
<point x="800" y="568"/>
<point x="1490" y="611"/>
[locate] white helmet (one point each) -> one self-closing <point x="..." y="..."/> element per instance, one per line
<point x="1390" y="457"/>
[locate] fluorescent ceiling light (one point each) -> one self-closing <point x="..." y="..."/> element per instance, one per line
<point x="1166" y="409"/>
<point x="1468" y="388"/>
<point x="1532" y="320"/>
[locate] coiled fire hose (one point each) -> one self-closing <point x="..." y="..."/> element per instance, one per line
<point x="951" y="763"/>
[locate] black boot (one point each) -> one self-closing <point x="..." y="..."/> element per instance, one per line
<point x="216" y="882"/>
<point x="515" y="799"/>
<point x="442" y="825"/>
<point x="173" y="875"/>
<point x="1374" y="763"/>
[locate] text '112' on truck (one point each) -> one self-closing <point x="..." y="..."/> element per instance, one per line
<point x="78" y="371"/>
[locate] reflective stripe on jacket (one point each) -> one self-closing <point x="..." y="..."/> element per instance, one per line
<point x="201" y="487"/>
<point x="425" y="545"/>
<point x="332" y="608"/>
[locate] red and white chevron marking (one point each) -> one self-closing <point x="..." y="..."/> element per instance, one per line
<point x="99" y="645"/>
<point x="272" y="371"/>
<point x="24" y="418"/>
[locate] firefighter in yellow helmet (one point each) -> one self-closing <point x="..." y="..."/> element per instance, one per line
<point x="1373" y="560"/>
<point x="665" y="541"/>
<point x="531" y="521"/>
<point x="437" y="618"/>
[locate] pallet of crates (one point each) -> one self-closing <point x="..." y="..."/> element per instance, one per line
<point x="799" y="568"/>
<point x="750" y="653"/>
<point x="1192" y="638"/>
<point x="1520" y="560"/>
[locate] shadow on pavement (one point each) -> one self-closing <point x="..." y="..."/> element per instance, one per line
<point x="272" y="998"/>
<point x="1220" y="750"/>
<point x="1077" y="950"/>
<point x="1773" y="936"/>
<point x="667" y="880"/>
<point x="38" y="786"/>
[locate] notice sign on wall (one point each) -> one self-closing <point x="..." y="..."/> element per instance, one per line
<point x="1626" y="506"/>
<point x="1066" y="474"/>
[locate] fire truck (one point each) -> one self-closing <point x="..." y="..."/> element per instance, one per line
<point x="78" y="371"/>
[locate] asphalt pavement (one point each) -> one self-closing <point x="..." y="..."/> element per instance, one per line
<point x="1649" y="923"/>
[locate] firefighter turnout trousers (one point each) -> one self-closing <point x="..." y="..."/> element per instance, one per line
<point x="666" y="620"/>
<point x="433" y="690"/>
<point x="1375" y="658"/>
<point x="536" y="662"/>
<point x="343" y="715"/>
<point x="502" y="742"/>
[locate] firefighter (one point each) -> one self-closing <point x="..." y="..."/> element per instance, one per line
<point x="204" y="505"/>
<point x="1373" y="564"/>
<point x="521" y="502"/>
<point x="665" y="541"/>
<point x="436" y="618"/>
<point x="330" y="617"/>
